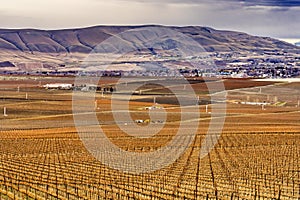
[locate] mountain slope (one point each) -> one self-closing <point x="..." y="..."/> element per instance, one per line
<point x="30" y="47"/>
<point x="85" y="39"/>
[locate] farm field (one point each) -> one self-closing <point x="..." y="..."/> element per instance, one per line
<point x="256" y="156"/>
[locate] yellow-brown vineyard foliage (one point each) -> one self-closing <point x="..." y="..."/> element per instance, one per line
<point x="42" y="156"/>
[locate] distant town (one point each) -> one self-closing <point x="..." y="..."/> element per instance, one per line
<point x="268" y="64"/>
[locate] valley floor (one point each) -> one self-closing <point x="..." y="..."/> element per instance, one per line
<point x="256" y="155"/>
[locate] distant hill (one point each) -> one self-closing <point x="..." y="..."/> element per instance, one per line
<point x="52" y="46"/>
<point x="83" y="40"/>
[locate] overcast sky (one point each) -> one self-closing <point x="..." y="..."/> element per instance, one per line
<point x="280" y="19"/>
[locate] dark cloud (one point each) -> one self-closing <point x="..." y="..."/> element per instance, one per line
<point x="278" y="3"/>
<point x="289" y="3"/>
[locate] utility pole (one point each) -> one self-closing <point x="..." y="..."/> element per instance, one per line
<point x="4" y="112"/>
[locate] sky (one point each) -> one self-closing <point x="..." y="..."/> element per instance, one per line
<point x="279" y="19"/>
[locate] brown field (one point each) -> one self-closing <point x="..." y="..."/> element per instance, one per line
<point x="256" y="156"/>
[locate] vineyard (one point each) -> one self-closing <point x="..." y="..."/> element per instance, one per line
<point x="256" y="156"/>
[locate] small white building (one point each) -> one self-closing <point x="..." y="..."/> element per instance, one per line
<point x="61" y="86"/>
